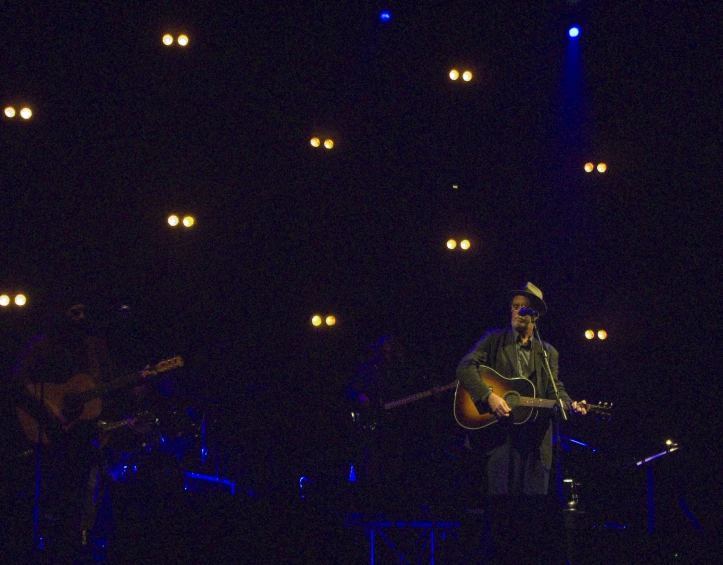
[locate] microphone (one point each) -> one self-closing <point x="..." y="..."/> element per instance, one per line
<point x="528" y="312"/>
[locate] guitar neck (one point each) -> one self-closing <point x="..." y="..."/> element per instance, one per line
<point x="537" y="402"/>
<point x="601" y="410"/>
<point x="408" y="399"/>
<point x="110" y="426"/>
<point x="418" y="396"/>
<point x="120" y="382"/>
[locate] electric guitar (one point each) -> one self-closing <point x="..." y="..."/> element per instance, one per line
<point x="362" y="421"/>
<point x="418" y="396"/>
<point x="79" y="399"/>
<point x="519" y="394"/>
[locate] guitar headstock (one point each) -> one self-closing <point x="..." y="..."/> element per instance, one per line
<point x="167" y="364"/>
<point x="601" y="410"/>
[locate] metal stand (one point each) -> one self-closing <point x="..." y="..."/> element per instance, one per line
<point x="650" y="480"/>
<point x="37" y="539"/>
<point x="545" y="358"/>
<point x="426" y="534"/>
<point x="555" y="428"/>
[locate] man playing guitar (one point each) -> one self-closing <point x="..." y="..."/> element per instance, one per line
<point x="68" y="461"/>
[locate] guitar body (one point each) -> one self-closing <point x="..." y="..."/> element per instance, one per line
<point x="61" y="402"/>
<point x="512" y="390"/>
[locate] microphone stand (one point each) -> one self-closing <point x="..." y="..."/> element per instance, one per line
<point x="37" y="539"/>
<point x="556" y="422"/>
<point x="546" y="360"/>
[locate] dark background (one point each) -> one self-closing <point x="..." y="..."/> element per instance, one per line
<point x="126" y="131"/>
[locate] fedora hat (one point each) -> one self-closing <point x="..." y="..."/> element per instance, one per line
<point x="534" y="294"/>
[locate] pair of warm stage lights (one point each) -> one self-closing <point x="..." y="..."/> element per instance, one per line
<point x="25" y="113"/>
<point x="316" y="142"/>
<point x="464" y="244"/>
<point x="601" y="334"/>
<point x="188" y="221"/>
<point x="19" y="300"/>
<point x="168" y="40"/>
<point x="317" y="320"/>
<point x="590" y="167"/>
<point x="466" y="75"/>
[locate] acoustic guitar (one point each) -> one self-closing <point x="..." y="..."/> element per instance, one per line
<point x="519" y="394"/>
<point x="79" y="399"/>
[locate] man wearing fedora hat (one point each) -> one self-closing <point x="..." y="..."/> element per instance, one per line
<point x="512" y="462"/>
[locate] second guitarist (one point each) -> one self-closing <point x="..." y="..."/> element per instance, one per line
<point x="69" y="467"/>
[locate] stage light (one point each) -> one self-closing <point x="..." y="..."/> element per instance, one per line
<point x="173" y="220"/>
<point x="602" y="334"/>
<point x="466" y="76"/>
<point x="451" y="244"/>
<point x="328" y="143"/>
<point x="464" y="244"/>
<point x="10" y="112"/>
<point x="183" y="40"/>
<point x="589" y="334"/>
<point x="602" y="167"/>
<point x="454" y="74"/>
<point x="26" y="113"/>
<point x="385" y="16"/>
<point x="574" y="31"/>
<point x="4" y="300"/>
<point x="316" y="320"/>
<point x="315" y="142"/>
<point x="330" y="320"/>
<point x="589" y="167"/>
<point x="20" y="300"/>
<point x="455" y="186"/>
<point x="188" y="221"/>
<point x="167" y="39"/>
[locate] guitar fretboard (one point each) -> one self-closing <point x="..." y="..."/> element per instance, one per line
<point x="418" y="396"/>
<point x="537" y="402"/>
<point x="603" y="410"/>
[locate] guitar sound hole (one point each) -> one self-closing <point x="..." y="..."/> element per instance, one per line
<point x="512" y="399"/>
<point x="72" y="407"/>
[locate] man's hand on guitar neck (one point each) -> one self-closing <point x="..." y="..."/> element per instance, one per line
<point x="148" y="371"/>
<point x="579" y="408"/>
<point x="500" y="409"/>
<point x="498" y="406"/>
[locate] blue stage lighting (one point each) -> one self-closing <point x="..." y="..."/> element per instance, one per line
<point x="574" y="31"/>
<point x="385" y="16"/>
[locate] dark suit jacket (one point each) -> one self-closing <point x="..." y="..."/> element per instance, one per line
<point x="533" y="441"/>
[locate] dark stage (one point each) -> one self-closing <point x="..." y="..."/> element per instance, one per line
<point x="257" y="450"/>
